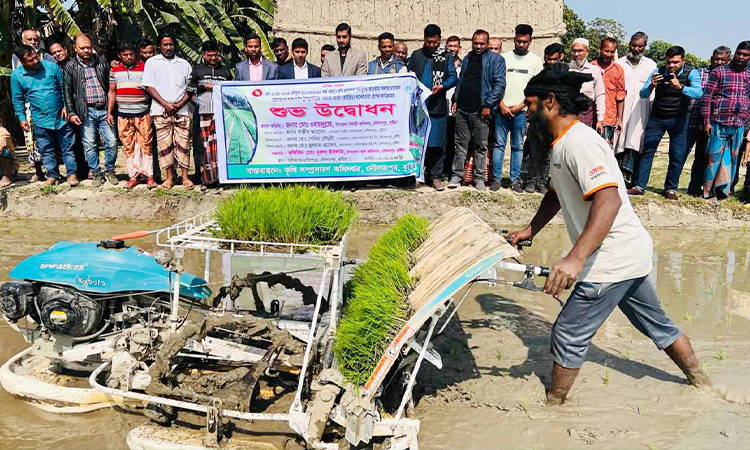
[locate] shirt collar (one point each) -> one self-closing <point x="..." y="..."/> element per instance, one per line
<point x="260" y="62"/>
<point x="91" y="62"/>
<point x="296" y="67"/>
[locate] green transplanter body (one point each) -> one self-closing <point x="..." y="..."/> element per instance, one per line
<point x="376" y="300"/>
<point x="297" y="214"/>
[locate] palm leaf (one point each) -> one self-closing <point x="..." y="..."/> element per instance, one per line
<point x="265" y="17"/>
<point x="226" y="23"/>
<point x="190" y="18"/>
<point x="253" y="25"/>
<point x="104" y="4"/>
<point x="5" y="71"/>
<point x="145" y="19"/>
<point x="205" y="18"/>
<point x="60" y="14"/>
<point x="188" y="50"/>
<point x="266" y="5"/>
<point x="169" y="18"/>
<point x="28" y="4"/>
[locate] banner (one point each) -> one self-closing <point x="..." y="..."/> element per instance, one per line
<point x="321" y="129"/>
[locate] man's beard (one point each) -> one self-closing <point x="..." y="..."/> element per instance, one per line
<point x="577" y="64"/>
<point x="539" y="131"/>
<point x="521" y="51"/>
<point x="634" y="57"/>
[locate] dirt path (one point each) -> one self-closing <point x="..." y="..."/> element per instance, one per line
<point x="377" y="206"/>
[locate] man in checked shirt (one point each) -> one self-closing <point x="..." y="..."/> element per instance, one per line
<point x="725" y="108"/>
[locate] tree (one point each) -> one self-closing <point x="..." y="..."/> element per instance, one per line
<point x="575" y="27"/>
<point x="595" y="31"/>
<point x="657" y="51"/>
<point x="598" y="29"/>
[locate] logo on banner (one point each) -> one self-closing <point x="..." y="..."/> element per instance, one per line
<point x="257" y="93"/>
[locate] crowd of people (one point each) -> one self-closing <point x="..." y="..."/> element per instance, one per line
<point x="150" y="98"/>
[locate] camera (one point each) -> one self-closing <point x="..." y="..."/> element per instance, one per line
<point x="667" y="77"/>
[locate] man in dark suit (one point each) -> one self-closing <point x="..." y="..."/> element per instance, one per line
<point x="255" y="67"/>
<point x="300" y="68"/>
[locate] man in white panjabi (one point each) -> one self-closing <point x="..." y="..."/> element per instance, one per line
<point x="637" y="68"/>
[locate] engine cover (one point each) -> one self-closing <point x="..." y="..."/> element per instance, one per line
<point x="69" y="312"/>
<point x="16" y="299"/>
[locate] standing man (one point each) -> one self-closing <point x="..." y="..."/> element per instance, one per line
<point x="8" y="162"/>
<point x="40" y="85"/>
<point x="31" y="38"/>
<point x="614" y="86"/>
<point x="204" y="77"/>
<point x="325" y="49"/>
<point x="386" y="62"/>
<point x="610" y="261"/>
<point x="86" y="87"/>
<point x="281" y="51"/>
<point x="301" y="69"/>
<point x="146" y="50"/>
<point x="521" y="65"/>
<point x="132" y="105"/>
<point x="60" y="53"/>
<point x="434" y="67"/>
<point x="675" y="85"/>
<point x="401" y="51"/>
<point x="636" y="110"/>
<point x="725" y="109"/>
<point x="255" y="67"/>
<point x="347" y="61"/>
<point x="536" y="155"/>
<point x="496" y="45"/>
<point x="453" y="44"/>
<point x="166" y="78"/>
<point x="480" y="88"/>
<point x="594" y="89"/>
<point x="696" y="133"/>
<point x="553" y="54"/>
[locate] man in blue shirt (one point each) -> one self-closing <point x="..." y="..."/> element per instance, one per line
<point x="676" y="85"/>
<point x="40" y="83"/>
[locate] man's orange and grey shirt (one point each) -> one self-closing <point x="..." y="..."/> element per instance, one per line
<point x="614" y="87"/>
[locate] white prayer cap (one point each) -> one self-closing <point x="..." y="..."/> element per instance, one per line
<point x="583" y="41"/>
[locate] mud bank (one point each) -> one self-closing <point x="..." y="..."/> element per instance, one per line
<point x="377" y="206"/>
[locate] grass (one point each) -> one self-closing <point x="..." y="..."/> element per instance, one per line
<point x="376" y="306"/>
<point x="298" y="214"/>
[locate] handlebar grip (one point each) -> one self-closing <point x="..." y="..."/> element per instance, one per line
<point x="133" y="235"/>
<point x="524" y="243"/>
<point x="544" y="271"/>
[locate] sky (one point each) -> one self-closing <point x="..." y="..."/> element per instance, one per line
<point x="699" y="26"/>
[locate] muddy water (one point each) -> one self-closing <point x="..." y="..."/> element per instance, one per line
<point x="496" y="360"/>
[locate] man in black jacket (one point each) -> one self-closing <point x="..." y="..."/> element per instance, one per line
<point x="86" y="83"/>
<point x="203" y="77"/>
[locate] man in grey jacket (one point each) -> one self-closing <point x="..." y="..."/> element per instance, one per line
<point x="255" y="67"/>
<point x="86" y="82"/>
<point x="347" y="61"/>
<point x="481" y="86"/>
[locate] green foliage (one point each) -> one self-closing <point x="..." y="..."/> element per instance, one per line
<point x="595" y="31"/>
<point x="191" y="21"/>
<point x="376" y="306"/>
<point x="657" y="51"/>
<point x="298" y="214"/>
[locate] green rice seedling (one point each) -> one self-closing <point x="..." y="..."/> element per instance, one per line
<point x="605" y="378"/>
<point x="499" y="354"/>
<point x="706" y="368"/>
<point x="297" y="214"/>
<point x="688" y="317"/>
<point x="376" y="306"/>
<point x="720" y="355"/>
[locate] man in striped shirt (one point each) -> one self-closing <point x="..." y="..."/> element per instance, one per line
<point x="132" y="105"/>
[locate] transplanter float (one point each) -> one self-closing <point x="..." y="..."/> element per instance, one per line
<point x="230" y="365"/>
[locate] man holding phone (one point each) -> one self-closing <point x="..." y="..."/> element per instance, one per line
<point x="675" y="84"/>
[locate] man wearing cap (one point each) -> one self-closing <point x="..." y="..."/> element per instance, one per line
<point x="611" y="258"/>
<point x="594" y="89"/>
